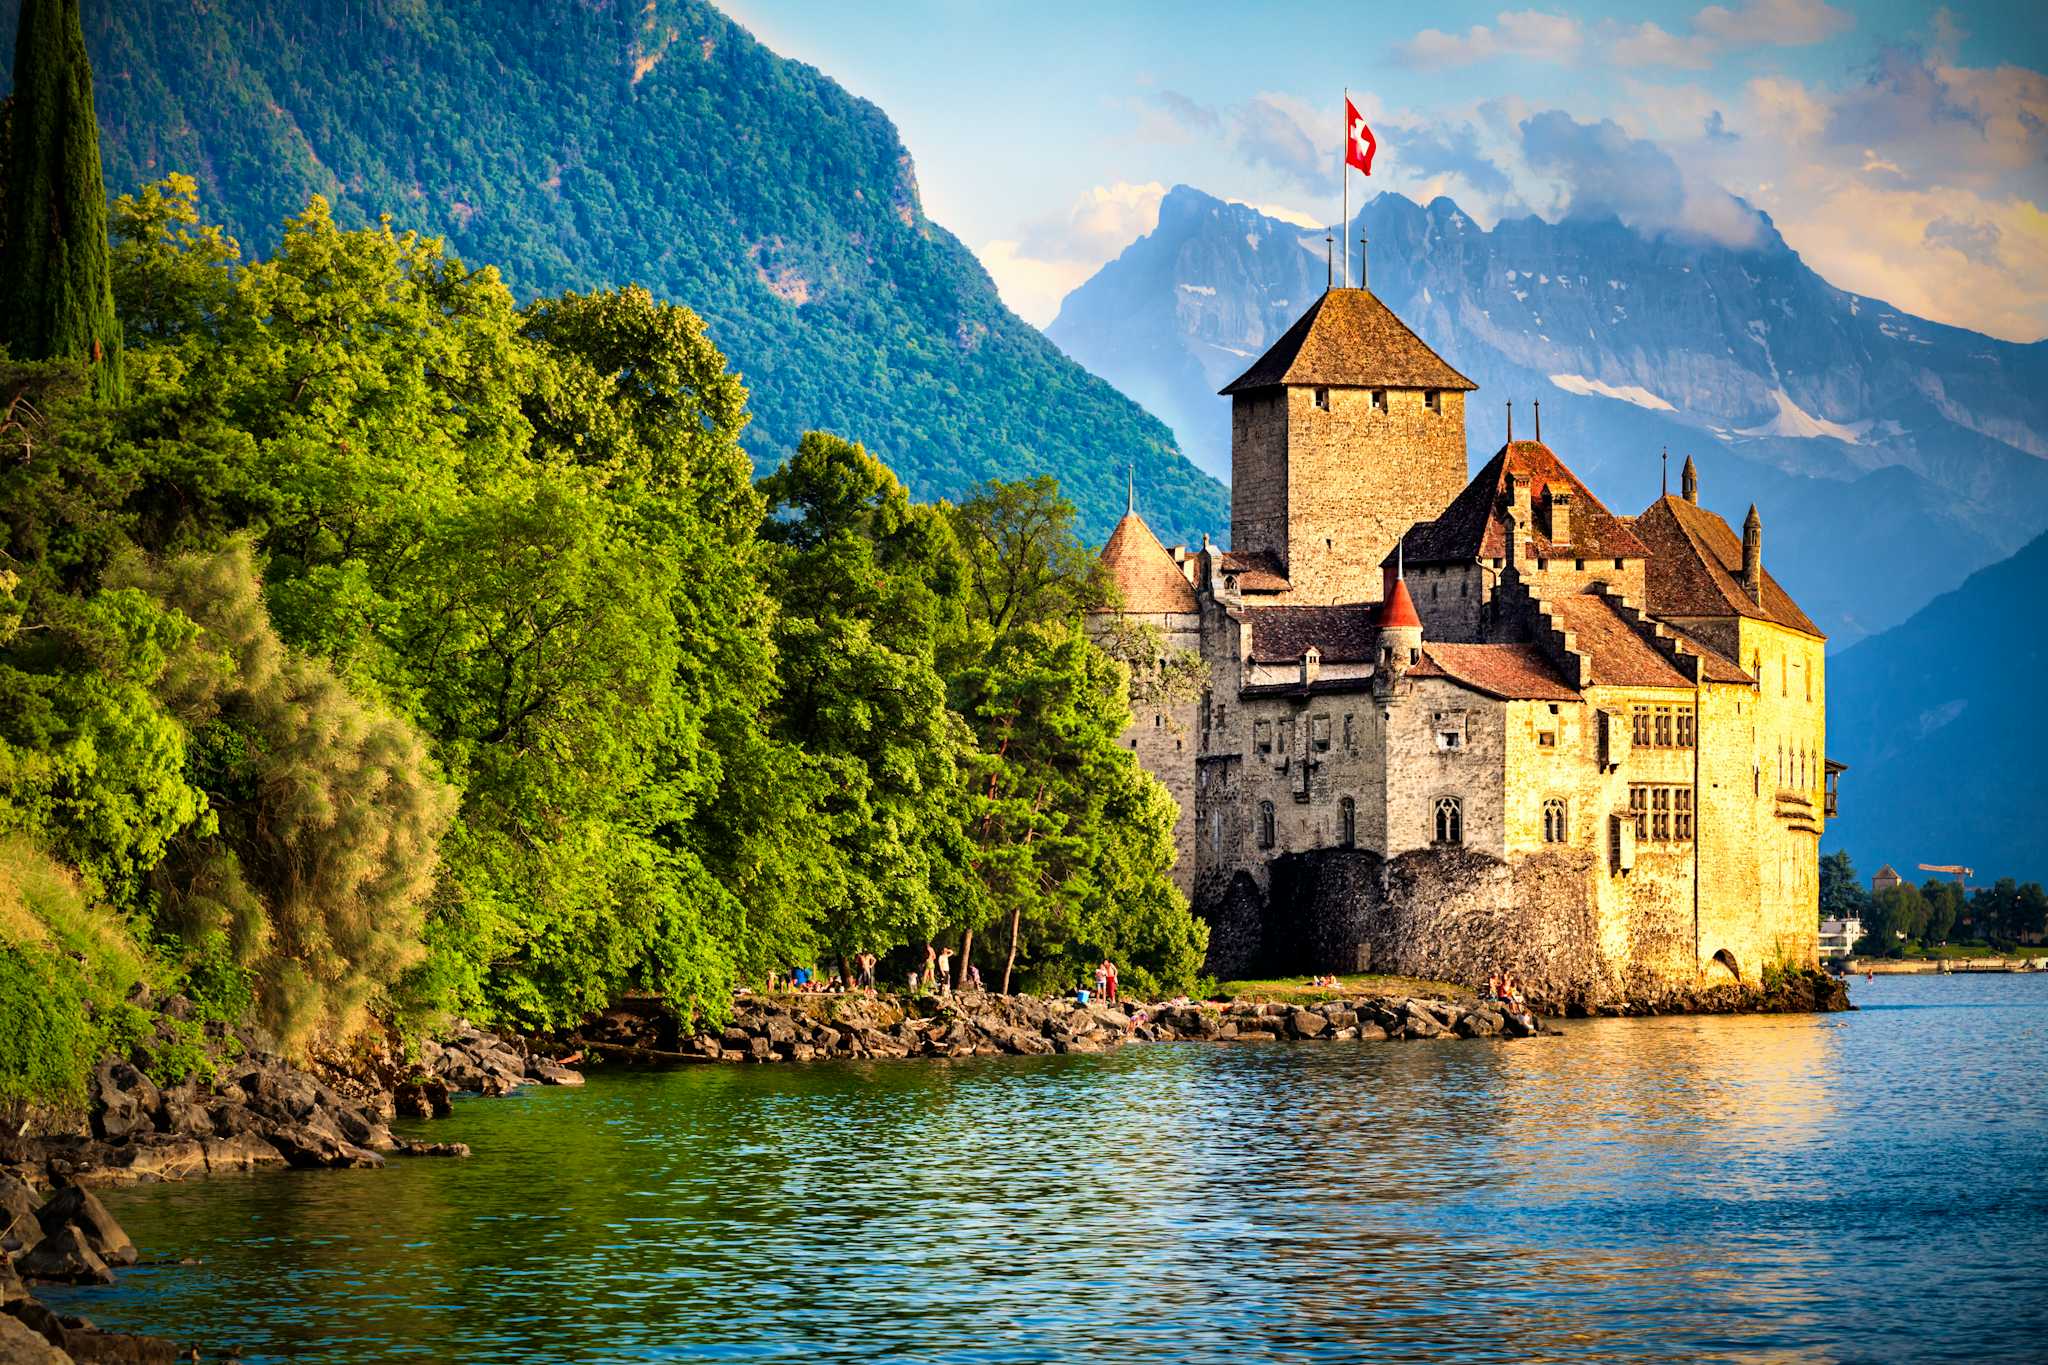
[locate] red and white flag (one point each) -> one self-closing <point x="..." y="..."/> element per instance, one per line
<point x="1359" y="143"/>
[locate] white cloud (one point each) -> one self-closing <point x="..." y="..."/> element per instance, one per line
<point x="1033" y="288"/>
<point x="1528" y="34"/>
<point x="1056" y="255"/>
<point x="1773" y="23"/>
<point x="1649" y="45"/>
<point x="1718" y="29"/>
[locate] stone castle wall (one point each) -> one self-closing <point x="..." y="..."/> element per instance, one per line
<point x="1329" y="490"/>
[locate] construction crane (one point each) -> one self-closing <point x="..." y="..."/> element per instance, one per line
<point x="1960" y="873"/>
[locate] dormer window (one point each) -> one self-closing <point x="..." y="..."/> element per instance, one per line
<point x="1379" y="400"/>
<point x="1433" y="399"/>
<point x="1323" y="399"/>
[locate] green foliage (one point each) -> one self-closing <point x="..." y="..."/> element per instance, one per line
<point x="1842" y="895"/>
<point x="67" y="968"/>
<point x="392" y="650"/>
<point x="587" y="145"/>
<point x="55" y="297"/>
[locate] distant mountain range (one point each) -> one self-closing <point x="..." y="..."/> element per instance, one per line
<point x="577" y="146"/>
<point x="1940" y="722"/>
<point x="1890" y="456"/>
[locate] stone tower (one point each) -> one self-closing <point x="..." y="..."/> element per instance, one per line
<point x="1348" y="431"/>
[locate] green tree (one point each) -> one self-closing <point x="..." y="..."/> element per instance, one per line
<point x="1944" y="905"/>
<point x="56" y="297"/>
<point x="1842" y="895"/>
<point x="328" y="814"/>
<point x="1895" y="916"/>
<point x="869" y="584"/>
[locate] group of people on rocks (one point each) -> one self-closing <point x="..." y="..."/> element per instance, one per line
<point x="1105" y="982"/>
<point x="936" y="976"/>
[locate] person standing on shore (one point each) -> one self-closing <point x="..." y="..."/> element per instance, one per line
<point x="1102" y="979"/>
<point x="1109" y="982"/>
<point x="866" y="962"/>
<point x="944" y="979"/>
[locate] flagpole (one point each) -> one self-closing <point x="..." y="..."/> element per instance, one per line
<point x="1344" y="174"/>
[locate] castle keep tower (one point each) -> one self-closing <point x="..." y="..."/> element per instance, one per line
<point x="1342" y="436"/>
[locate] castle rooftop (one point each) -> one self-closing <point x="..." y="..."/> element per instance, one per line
<point x="1144" y="570"/>
<point x="1511" y="672"/>
<point x="1349" y="339"/>
<point x="1695" y="569"/>
<point x="1475" y="525"/>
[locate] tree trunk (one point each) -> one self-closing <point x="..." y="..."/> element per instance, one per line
<point x="1016" y="913"/>
<point x="966" y="955"/>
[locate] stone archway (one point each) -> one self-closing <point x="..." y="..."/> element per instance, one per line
<point x="1727" y="959"/>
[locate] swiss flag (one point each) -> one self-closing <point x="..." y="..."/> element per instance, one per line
<point x="1359" y="143"/>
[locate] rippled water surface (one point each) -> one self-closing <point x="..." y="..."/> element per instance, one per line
<point x="1863" y="1186"/>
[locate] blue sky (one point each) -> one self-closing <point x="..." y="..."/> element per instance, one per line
<point x="1902" y="148"/>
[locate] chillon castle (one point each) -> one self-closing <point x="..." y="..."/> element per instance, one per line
<point x="1455" y="725"/>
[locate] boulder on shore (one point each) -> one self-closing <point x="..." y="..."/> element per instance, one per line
<point x="74" y="1206"/>
<point x="65" y="1256"/>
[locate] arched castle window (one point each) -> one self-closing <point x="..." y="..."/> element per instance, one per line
<point x="1556" y="821"/>
<point x="1450" y="820"/>
<point x="1265" y="824"/>
<point x="1347" y="823"/>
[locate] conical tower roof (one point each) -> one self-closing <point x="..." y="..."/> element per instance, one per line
<point x="1349" y="339"/>
<point x="1399" y="611"/>
<point x="1143" y="569"/>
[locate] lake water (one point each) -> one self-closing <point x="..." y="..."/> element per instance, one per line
<point x="1863" y="1186"/>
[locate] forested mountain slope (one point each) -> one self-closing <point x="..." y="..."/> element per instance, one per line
<point x="1890" y="455"/>
<point x="1939" y="720"/>
<point x="589" y="144"/>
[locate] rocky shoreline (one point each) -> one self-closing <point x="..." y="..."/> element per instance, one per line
<point x="806" y="1028"/>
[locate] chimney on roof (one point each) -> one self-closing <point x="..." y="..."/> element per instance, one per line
<point x="1559" y="504"/>
<point x="1753" y="556"/>
<point x="1689" y="482"/>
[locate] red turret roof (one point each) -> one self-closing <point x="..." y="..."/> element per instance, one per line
<point x="1143" y="569"/>
<point x="1398" y="612"/>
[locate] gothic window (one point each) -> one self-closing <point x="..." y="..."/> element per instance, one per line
<point x="1319" y="734"/>
<point x="1379" y="400"/>
<point x="1556" y="822"/>
<point x="1347" y="823"/>
<point x="1433" y="400"/>
<point x="1265" y="824"/>
<point x="1450" y="820"/>
<point x="1323" y="399"/>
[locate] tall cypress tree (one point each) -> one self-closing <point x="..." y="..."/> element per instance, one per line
<point x="56" y="293"/>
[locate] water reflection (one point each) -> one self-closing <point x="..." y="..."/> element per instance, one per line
<point x="1786" y="1188"/>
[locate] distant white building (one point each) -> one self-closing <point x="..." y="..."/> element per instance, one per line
<point x="1838" y="936"/>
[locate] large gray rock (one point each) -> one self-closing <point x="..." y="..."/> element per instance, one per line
<point x="124" y="1101"/>
<point x="1307" y="1024"/>
<point x="21" y="1345"/>
<point x="19" y="1229"/>
<point x="66" y="1256"/>
<point x="75" y="1206"/>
